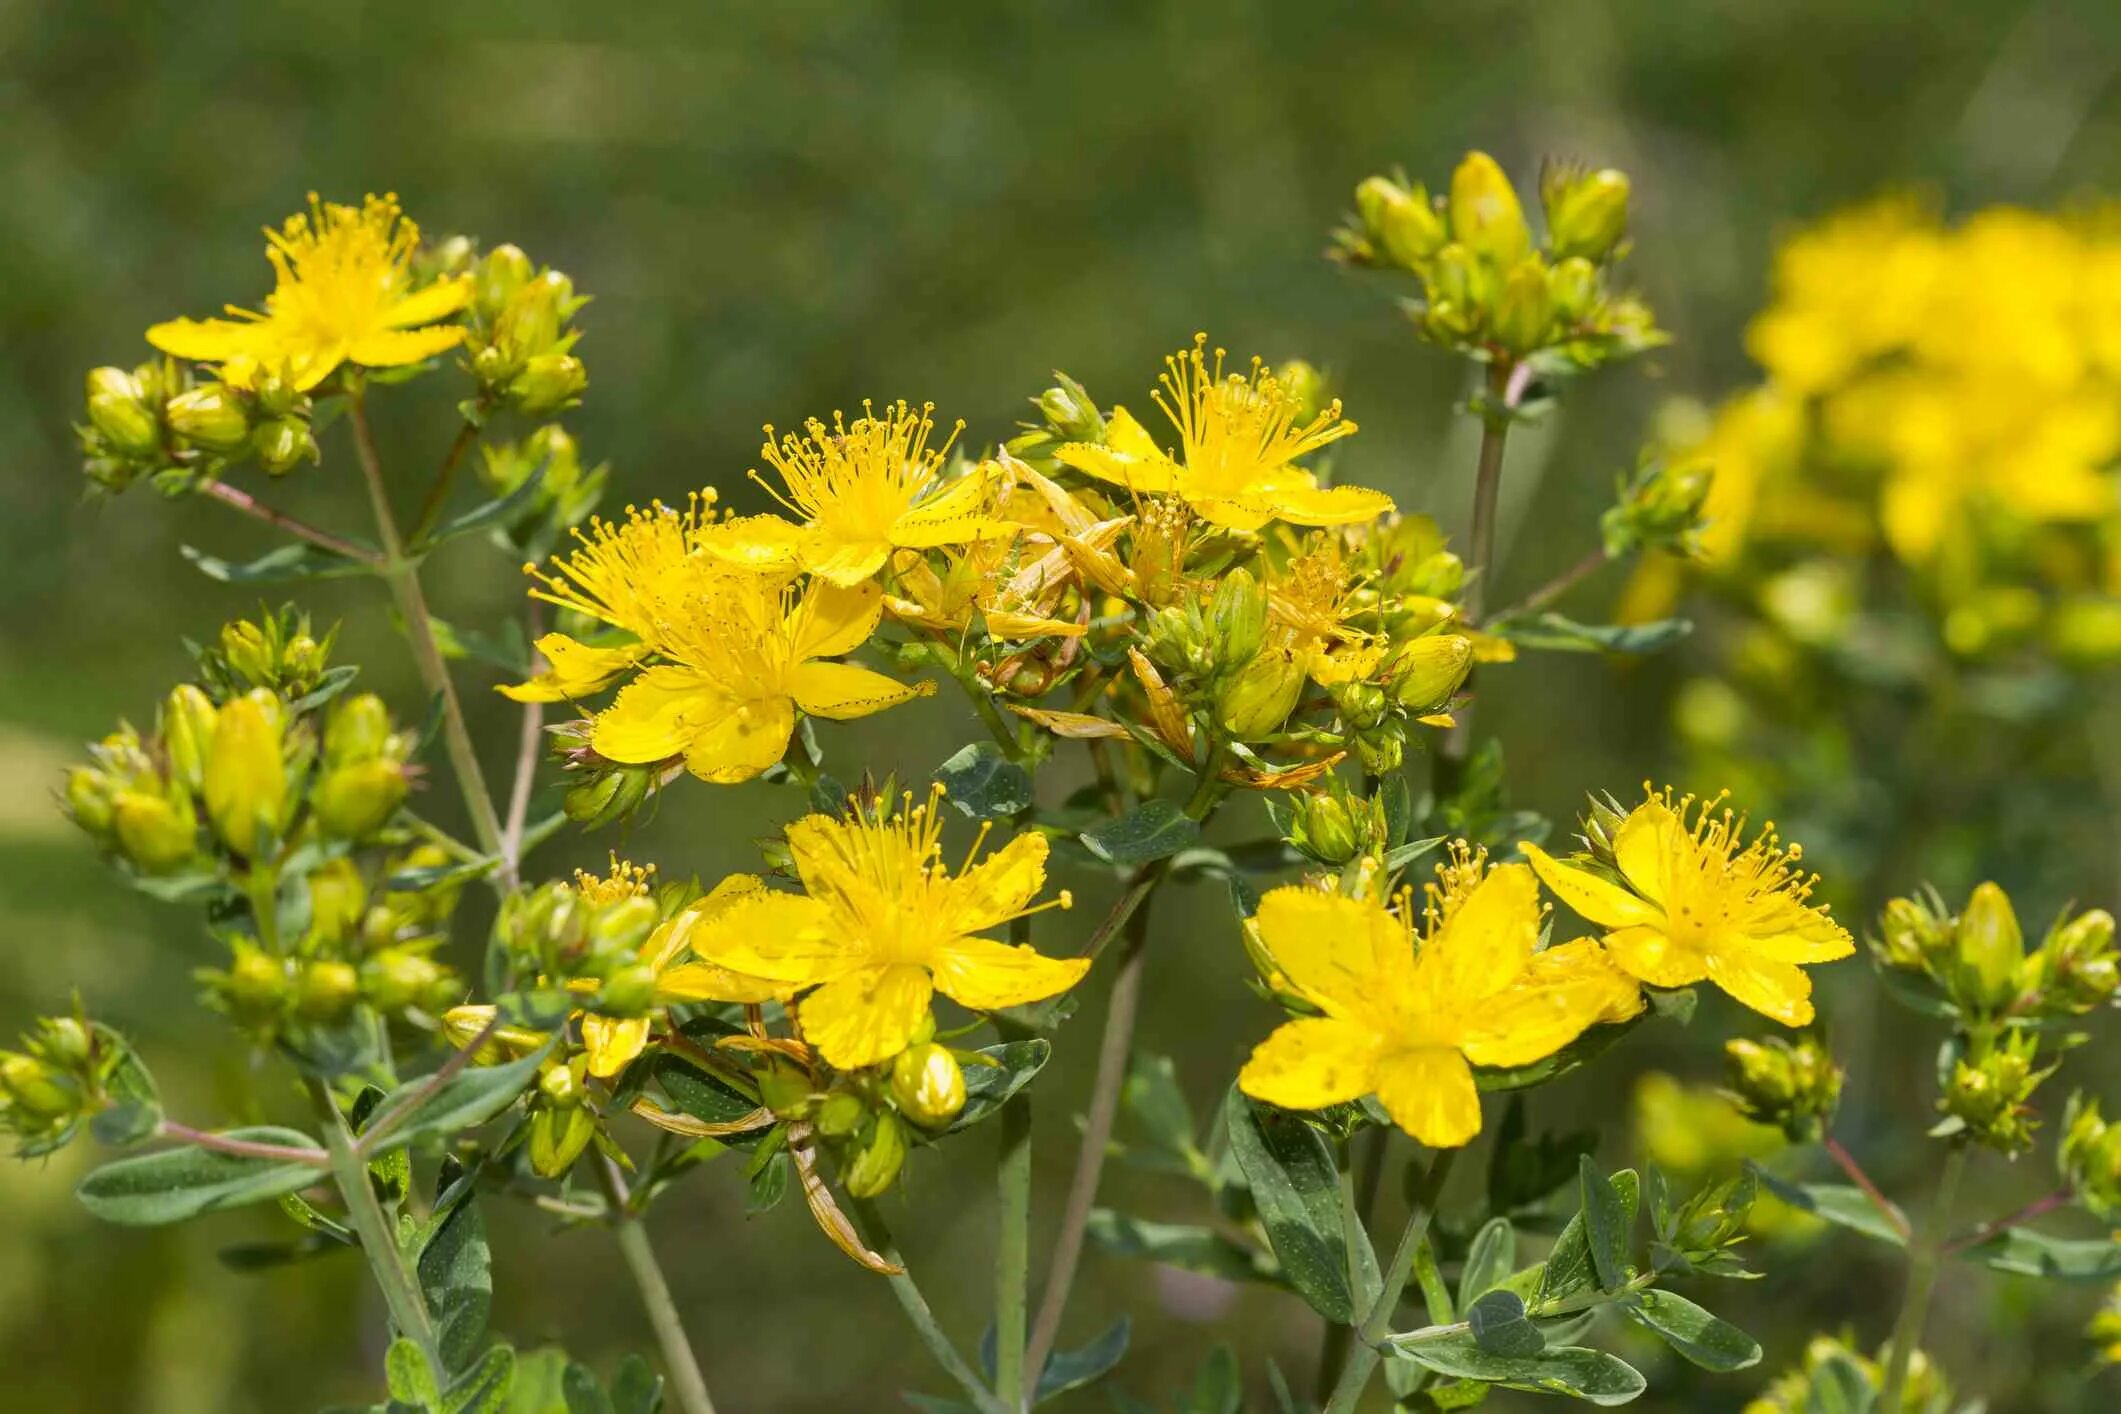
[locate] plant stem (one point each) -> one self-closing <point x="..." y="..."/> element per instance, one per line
<point x="242" y="1148"/>
<point x="687" y="1383"/>
<point x="529" y="742"/>
<point x="1922" y="1278"/>
<point x="1359" y="1198"/>
<point x="1480" y="563"/>
<point x="404" y="580"/>
<point x="2039" y="1206"/>
<point x="1113" y="1049"/>
<point x="445" y="477"/>
<point x="251" y="506"/>
<point x="1559" y="585"/>
<point x="1012" y="1257"/>
<point x="1362" y="1360"/>
<point x="1862" y="1180"/>
<point x="915" y="1306"/>
<point x="379" y="1243"/>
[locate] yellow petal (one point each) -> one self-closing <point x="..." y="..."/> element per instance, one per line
<point x="866" y="1016"/>
<point x="656" y="716"/>
<point x="743" y="741"/>
<point x="574" y="670"/>
<point x="1314" y="505"/>
<point x="1125" y="435"/>
<point x="438" y="301"/>
<point x="1429" y="1093"/>
<point x="1818" y="939"/>
<point x="705" y="982"/>
<point x="1230" y="512"/>
<point x="394" y="348"/>
<point x="1779" y="990"/>
<point x="1647" y="953"/>
<point x="1564" y="992"/>
<point x="843" y="691"/>
<point x="844" y="557"/>
<point x="1327" y="946"/>
<point x="986" y="975"/>
<point x="1650" y="846"/>
<point x="960" y="513"/>
<point x="999" y="887"/>
<point x="211" y="340"/>
<point x="1145" y="475"/>
<point x="1486" y="942"/>
<point x="779" y="937"/>
<point x="1597" y="899"/>
<point x="612" y="1042"/>
<point x="1311" y="1063"/>
<point x="752" y="542"/>
<point x="831" y="619"/>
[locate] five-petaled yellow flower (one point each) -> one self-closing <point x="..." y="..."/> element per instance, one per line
<point x="344" y="294"/>
<point x="863" y="488"/>
<point x="1696" y="906"/>
<point x="1239" y="438"/>
<point x="1414" y="998"/>
<point x="885" y="925"/>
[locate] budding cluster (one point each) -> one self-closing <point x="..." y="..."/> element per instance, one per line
<point x="1488" y="289"/>
<point x="160" y="422"/>
<point x="1834" y="1373"/>
<point x="1980" y="961"/>
<point x="565" y="494"/>
<point x="2090" y="1157"/>
<point x="63" y="1075"/>
<point x="587" y="935"/>
<point x="1658" y="508"/>
<point x="521" y="336"/>
<point x="1793" y="1085"/>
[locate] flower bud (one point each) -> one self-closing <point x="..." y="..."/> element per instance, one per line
<point x="608" y="795"/>
<point x="558" y="1137"/>
<point x="1402" y="224"/>
<point x="283" y="444"/>
<point x="1425" y="671"/>
<point x="1259" y="699"/>
<point x="840" y="1114"/>
<point x="1485" y="215"/>
<point x="505" y="270"/>
<point x="401" y="978"/>
<point x="1237" y="620"/>
<point x="624" y="925"/>
<point x="1990" y="1089"/>
<point x="188" y="717"/>
<point x="337" y="899"/>
<point x="38" y="1090"/>
<point x="2090" y="1157"/>
<point x="326" y="990"/>
<point x="254" y="990"/>
<point x="560" y="1086"/>
<point x="353" y="802"/>
<point x="1324" y="827"/>
<point x="1458" y="292"/>
<point x="1306" y="389"/>
<point x="1989" y="947"/>
<point x="548" y="383"/>
<point x="210" y="416"/>
<point x="876" y="1163"/>
<point x="89" y="799"/>
<point x="1069" y="411"/>
<point x="1524" y="312"/>
<point x="1794" y="1086"/>
<point x="246" y="777"/>
<point x="157" y="833"/>
<point x="629" y="991"/>
<point x="118" y="410"/>
<point x="784" y="1088"/>
<point x="2077" y="962"/>
<point x="358" y="730"/>
<point x="1912" y="934"/>
<point x="1587" y="212"/>
<point x="531" y="323"/>
<point x="1572" y="286"/>
<point x="928" y="1085"/>
<point x="64" y="1041"/>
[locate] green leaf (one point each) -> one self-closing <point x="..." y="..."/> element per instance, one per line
<point x="136" y="1108"/>
<point x="466" y="1100"/>
<point x="1156" y="829"/>
<point x="1152" y="1095"/>
<point x="539" y="1386"/>
<point x="988" y="1086"/>
<point x="405" y="1372"/>
<point x="174" y="1184"/>
<point x="1569" y="1268"/>
<point x="1181" y="1245"/>
<point x="769" y="1183"/>
<point x="285" y="565"/>
<point x="584" y="1394"/>
<point x="1296" y="1187"/>
<point x="1839" y="1386"/>
<point x="1401" y="855"/>
<point x="1701" y="1336"/>
<point x="705" y="1097"/>
<point x="636" y="1388"/>
<point x="1571" y="1370"/>
<point x="1500" y="1327"/>
<point x="1842" y="1204"/>
<point x="456" y="1272"/>
<point x="1521" y="1171"/>
<point x="1219" y="1387"/>
<point x="1560" y="632"/>
<point x="1491" y="1257"/>
<point x="499" y="511"/>
<point x="1607" y="1227"/>
<point x="334" y="681"/>
<point x="483" y="1388"/>
<point x="984" y="783"/>
<point x="1072" y="1369"/>
<point x="2035" y="1254"/>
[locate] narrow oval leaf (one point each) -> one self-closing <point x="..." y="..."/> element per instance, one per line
<point x="287" y="564"/>
<point x="465" y="1100"/>
<point x="1180" y="1245"/>
<point x="2036" y="1254"/>
<point x="1499" y="1325"/>
<point x="987" y="1086"/>
<point x="1840" y="1203"/>
<point x="1156" y="829"/>
<point x="984" y="784"/>
<point x="1701" y="1336"/>
<point x="405" y="1372"/>
<point x="1573" y="1370"/>
<point x="175" y="1184"/>
<point x="1491" y="1257"/>
<point x="1296" y="1187"/>
<point x="1072" y="1369"/>
<point x="1607" y="1227"/>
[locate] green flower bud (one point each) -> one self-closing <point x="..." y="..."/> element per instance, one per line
<point x="2077" y="961"/>
<point x="1402" y="224"/>
<point x="548" y="383"/>
<point x="65" y="1042"/>
<point x="629" y="991"/>
<point x="358" y="730"/>
<point x="840" y="1114"/>
<point x="337" y="899"/>
<point x="326" y="990"/>
<point x="119" y="411"/>
<point x="1524" y="313"/>
<point x="1325" y="828"/>
<point x="1601" y="825"/>
<point x="877" y="1162"/>
<point x="2090" y="1157"/>
<point x="89" y="800"/>
<point x="504" y="271"/>
<point x="1794" y="1086"/>
<point x="562" y="1086"/>
<point x="1990" y="1090"/>
<point x="399" y="979"/>
<point x="1069" y="411"/>
<point x="188" y="720"/>
<point x="608" y="795"/>
<point x="1912" y="934"/>
<point x="784" y="1088"/>
<point x="157" y="833"/>
<point x="246" y="777"/>
<point x="1459" y="289"/>
<point x="623" y="926"/>
<point x="928" y="1085"/>
<point x="1485" y="215"/>
<point x="1990" y="947"/>
<point x="353" y="802"/>
<point x="558" y="1137"/>
<point x="255" y="988"/>
<point x="1425" y="671"/>
<point x="1587" y="212"/>
<point x="1572" y="286"/>
<point x="45" y="1094"/>
<point x="1237" y="620"/>
<point x="283" y="444"/>
<point x="1259" y="699"/>
<point x="210" y="416"/>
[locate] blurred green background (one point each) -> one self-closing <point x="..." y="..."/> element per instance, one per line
<point x="783" y="209"/>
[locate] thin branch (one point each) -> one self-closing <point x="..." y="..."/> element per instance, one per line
<point x="917" y="1311"/>
<point x="2037" y="1208"/>
<point x="1554" y="588"/>
<point x="396" y="1114"/>
<point x="688" y="1385"/>
<point x="445" y="477"/>
<point x="243" y="1148"/>
<point x="1862" y="1180"/>
<point x="530" y="743"/>
<point x="256" y="509"/>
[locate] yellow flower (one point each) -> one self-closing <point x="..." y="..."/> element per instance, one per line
<point x="863" y="489"/>
<point x="1695" y="906"/>
<point x="1413" y="999"/>
<point x="744" y="651"/>
<point x="1239" y="438"/>
<point x="344" y="294"/>
<point x="612" y="1042"/>
<point x="1013" y="592"/>
<point x="885" y="925"/>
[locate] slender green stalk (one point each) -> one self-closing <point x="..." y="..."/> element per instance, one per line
<point x="1480" y="560"/>
<point x="1922" y="1266"/>
<point x="445" y="477"/>
<point x="688" y="1385"/>
<point x="404" y="580"/>
<point x="916" y="1308"/>
<point x="1376" y="1324"/>
<point x="1012" y="1257"/>
<point x="379" y="1244"/>
<point x="243" y="501"/>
